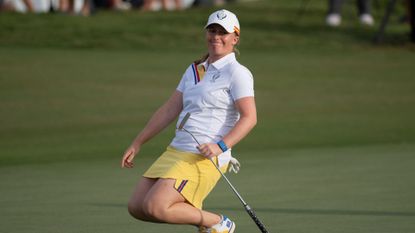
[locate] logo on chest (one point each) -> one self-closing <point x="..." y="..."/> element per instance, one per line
<point x="214" y="77"/>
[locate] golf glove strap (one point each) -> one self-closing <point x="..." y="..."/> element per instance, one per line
<point x="234" y="165"/>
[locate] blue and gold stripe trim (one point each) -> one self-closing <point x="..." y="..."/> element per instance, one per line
<point x="198" y="72"/>
<point x="181" y="186"/>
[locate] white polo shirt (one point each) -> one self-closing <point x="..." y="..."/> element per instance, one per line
<point x="209" y="96"/>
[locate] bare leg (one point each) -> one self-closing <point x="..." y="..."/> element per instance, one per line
<point x="135" y="206"/>
<point x="63" y="5"/>
<point x="29" y="5"/>
<point x="164" y="4"/>
<point x="147" y="5"/>
<point x="158" y="201"/>
<point x="178" y="4"/>
<point x="86" y="8"/>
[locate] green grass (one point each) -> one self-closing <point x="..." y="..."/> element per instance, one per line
<point x="354" y="189"/>
<point x="88" y="104"/>
<point x="333" y="150"/>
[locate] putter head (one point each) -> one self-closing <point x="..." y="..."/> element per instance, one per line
<point x="185" y="118"/>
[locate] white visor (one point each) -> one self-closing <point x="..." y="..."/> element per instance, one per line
<point x="226" y="19"/>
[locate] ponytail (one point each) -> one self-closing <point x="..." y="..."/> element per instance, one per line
<point x="236" y="51"/>
<point x="202" y="59"/>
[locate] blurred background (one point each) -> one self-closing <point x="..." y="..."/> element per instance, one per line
<point x="333" y="150"/>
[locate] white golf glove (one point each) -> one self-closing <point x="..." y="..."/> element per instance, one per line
<point x="234" y="165"/>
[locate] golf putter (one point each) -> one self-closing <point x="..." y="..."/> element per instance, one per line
<point x="246" y="206"/>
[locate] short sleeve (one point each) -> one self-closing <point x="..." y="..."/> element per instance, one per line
<point x="182" y="84"/>
<point x="242" y="83"/>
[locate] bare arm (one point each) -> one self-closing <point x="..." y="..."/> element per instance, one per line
<point x="29" y="5"/>
<point x="159" y="121"/>
<point x="247" y="121"/>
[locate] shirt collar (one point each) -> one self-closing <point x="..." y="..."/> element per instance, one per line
<point x="221" y="62"/>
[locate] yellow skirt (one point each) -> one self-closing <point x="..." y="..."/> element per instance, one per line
<point x="194" y="174"/>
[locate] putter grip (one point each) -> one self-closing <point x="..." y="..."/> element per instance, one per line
<point x="185" y="118"/>
<point x="255" y="218"/>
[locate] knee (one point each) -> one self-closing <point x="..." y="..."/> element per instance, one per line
<point x="136" y="211"/>
<point x="154" y="210"/>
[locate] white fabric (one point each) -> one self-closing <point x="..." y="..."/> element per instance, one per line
<point x="226" y="19"/>
<point x="234" y="165"/>
<point x="211" y="103"/>
<point x="157" y="5"/>
<point x="42" y="6"/>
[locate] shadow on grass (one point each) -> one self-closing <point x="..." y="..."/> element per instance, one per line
<point x="324" y="212"/>
<point x="291" y="211"/>
<point x="108" y="205"/>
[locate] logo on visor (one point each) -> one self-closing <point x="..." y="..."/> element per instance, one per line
<point x="221" y="15"/>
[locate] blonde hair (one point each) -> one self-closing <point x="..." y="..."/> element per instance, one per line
<point x="202" y="59"/>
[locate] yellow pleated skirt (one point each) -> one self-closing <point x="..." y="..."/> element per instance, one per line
<point x="195" y="175"/>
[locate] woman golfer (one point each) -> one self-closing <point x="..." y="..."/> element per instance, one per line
<point x="218" y="92"/>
